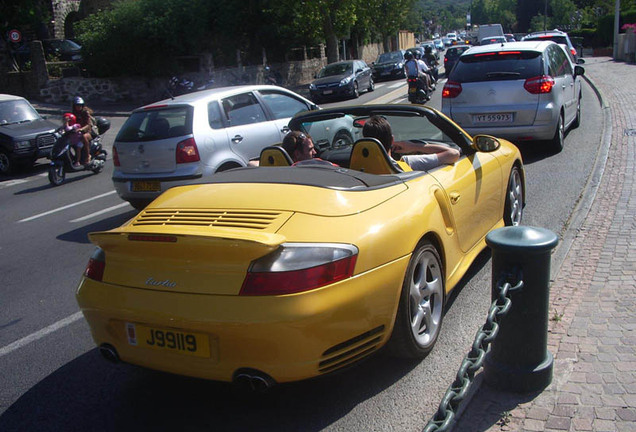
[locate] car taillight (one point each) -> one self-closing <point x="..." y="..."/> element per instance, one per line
<point x="451" y="89"/>
<point x="298" y="267"/>
<point x="187" y="151"/>
<point x="96" y="265"/>
<point x="538" y="85"/>
<point x="573" y="51"/>
<point x="115" y="157"/>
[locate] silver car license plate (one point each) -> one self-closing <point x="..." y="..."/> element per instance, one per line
<point x="493" y="118"/>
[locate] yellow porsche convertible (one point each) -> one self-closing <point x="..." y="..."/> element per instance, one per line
<point x="280" y="273"/>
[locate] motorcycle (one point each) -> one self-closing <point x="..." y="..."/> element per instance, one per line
<point x="180" y="86"/>
<point x="62" y="158"/>
<point x="417" y="93"/>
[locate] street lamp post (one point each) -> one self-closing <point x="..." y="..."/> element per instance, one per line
<point x="617" y="16"/>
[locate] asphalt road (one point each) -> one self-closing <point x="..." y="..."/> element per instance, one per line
<point x="53" y="379"/>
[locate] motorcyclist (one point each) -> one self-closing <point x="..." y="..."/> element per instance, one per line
<point x="416" y="67"/>
<point x="431" y="61"/>
<point x="85" y="119"/>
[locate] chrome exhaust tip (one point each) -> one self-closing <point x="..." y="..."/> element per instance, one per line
<point x="109" y="353"/>
<point x="253" y="381"/>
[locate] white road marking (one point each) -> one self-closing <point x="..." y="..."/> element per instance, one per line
<point x="397" y="84"/>
<point x="59" y="209"/>
<point x="40" y="334"/>
<point x="97" y="213"/>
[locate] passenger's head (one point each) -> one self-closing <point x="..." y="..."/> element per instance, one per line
<point x="379" y="128"/>
<point x="299" y="146"/>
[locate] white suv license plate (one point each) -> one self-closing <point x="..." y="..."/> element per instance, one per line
<point x="493" y="118"/>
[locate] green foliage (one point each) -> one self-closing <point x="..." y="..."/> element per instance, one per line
<point x="143" y="37"/>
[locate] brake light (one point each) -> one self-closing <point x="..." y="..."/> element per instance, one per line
<point x="295" y="268"/>
<point x="411" y="80"/>
<point x="573" y="51"/>
<point x="451" y="89"/>
<point x="115" y="157"/>
<point x="96" y="265"/>
<point x="539" y="85"/>
<point x="187" y="151"/>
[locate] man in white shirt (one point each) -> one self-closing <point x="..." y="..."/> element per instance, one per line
<point x="432" y="155"/>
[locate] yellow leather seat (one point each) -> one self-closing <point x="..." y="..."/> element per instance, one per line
<point x="369" y="156"/>
<point x="274" y="156"/>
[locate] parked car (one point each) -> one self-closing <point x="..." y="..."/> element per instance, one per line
<point x="271" y="275"/>
<point x="439" y="45"/>
<point x="519" y="91"/>
<point x="446" y="41"/>
<point x="341" y="79"/>
<point x="187" y="139"/>
<point x="24" y="135"/>
<point x="559" y="37"/>
<point x="451" y="55"/>
<point x="62" y="49"/>
<point x="510" y="37"/>
<point x="389" y="65"/>
<point x="493" y="40"/>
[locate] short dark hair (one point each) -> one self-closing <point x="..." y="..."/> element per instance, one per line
<point x="292" y="142"/>
<point x="378" y="127"/>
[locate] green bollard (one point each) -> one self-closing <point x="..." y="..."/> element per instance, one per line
<point x="518" y="360"/>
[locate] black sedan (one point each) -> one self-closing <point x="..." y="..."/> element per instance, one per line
<point x="24" y="135"/>
<point x="341" y="79"/>
<point x="389" y="65"/>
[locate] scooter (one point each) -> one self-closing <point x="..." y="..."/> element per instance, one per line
<point x="62" y="158"/>
<point x="418" y="94"/>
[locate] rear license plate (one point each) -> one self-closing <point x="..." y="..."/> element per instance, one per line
<point x="182" y="342"/>
<point x="493" y="118"/>
<point x="327" y="91"/>
<point x="412" y="89"/>
<point x="146" y="186"/>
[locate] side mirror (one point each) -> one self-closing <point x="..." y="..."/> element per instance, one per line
<point x="358" y="71"/>
<point x="485" y="143"/>
<point x="579" y="71"/>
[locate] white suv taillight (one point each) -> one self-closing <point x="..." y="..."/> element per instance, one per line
<point x="187" y="151"/>
<point x="298" y="267"/>
<point x="451" y="90"/>
<point x="538" y="85"/>
<point x="116" y="157"/>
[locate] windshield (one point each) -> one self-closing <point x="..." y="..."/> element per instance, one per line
<point x="395" y="56"/>
<point x="17" y="111"/>
<point x="497" y="66"/>
<point x="157" y="124"/>
<point x="64" y="45"/>
<point x="336" y="69"/>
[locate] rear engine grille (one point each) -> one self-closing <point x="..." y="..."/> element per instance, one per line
<point x="209" y="218"/>
<point x="45" y="141"/>
<point x="350" y="351"/>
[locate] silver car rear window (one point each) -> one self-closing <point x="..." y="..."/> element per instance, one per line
<point x="497" y="66"/>
<point x="157" y="124"/>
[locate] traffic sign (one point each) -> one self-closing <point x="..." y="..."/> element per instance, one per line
<point x="15" y="35"/>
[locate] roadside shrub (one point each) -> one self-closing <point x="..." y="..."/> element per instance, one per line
<point x="142" y="37"/>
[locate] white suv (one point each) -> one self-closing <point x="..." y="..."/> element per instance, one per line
<point x="186" y="139"/>
<point x="518" y="90"/>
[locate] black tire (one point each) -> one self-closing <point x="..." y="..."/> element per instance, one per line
<point x="513" y="209"/>
<point x="577" y="119"/>
<point x="421" y="309"/>
<point x="371" y="85"/>
<point x="342" y="139"/>
<point x="6" y="165"/>
<point x="139" y="204"/>
<point x="557" y="142"/>
<point x="57" y="174"/>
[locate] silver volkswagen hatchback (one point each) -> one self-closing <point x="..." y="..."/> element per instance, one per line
<point x="516" y="90"/>
<point x="186" y="139"/>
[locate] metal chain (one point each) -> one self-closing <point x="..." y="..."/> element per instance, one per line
<point x="474" y="360"/>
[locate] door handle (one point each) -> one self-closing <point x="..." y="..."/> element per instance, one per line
<point x="285" y="130"/>
<point x="237" y="139"/>
<point x="454" y="197"/>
